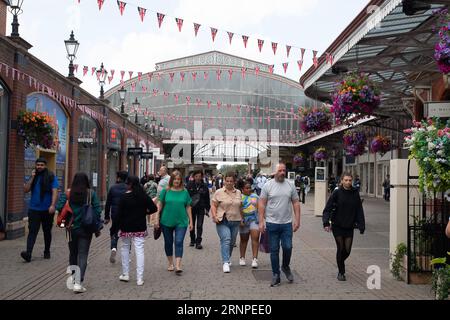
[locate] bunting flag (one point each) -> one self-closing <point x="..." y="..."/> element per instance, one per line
<point x="303" y="53"/>
<point x="75" y="67"/>
<point x="243" y="71"/>
<point x="194" y="75"/>
<point x="85" y="70"/>
<point x="230" y="73"/>
<point x="218" y="105"/>
<point x="218" y="73"/>
<point x="100" y="4"/>
<point x="274" y="47"/>
<point x="271" y="68"/>
<point x="176" y="96"/>
<point x="171" y="75"/>
<point x="245" y="39"/>
<point x="93" y="71"/>
<point x="260" y="44"/>
<point x="166" y="95"/>
<point x="315" y="60"/>
<point x="160" y="18"/>
<point x="288" y="50"/>
<point x="179" y="23"/>
<point x="285" y="65"/>
<point x="122" y="73"/>
<point x="205" y="75"/>
<point x="213" y="33"/>
<point x="198" y="101"/>
<point x="149" y="76"/>
<point x="121" y="6"/>
<point x="155" y="92"/>
<point x="230" y="36"/>
<point x="110" y="79"/>
<point x="139" y="76"/>
<point x="329" y="58"/>
<point x="196" y="27"/>
<point x="112" y="71"/>
<point x="142" y="13"/>
<point x="257" y="70"/>
<point x="209" y="104"/>
<point x="188" y="100"/>
<point x="130" y="73"/>
<point x="182" y="74"/>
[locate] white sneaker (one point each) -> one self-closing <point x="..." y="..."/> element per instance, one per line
<point x="78" y="288"/>
<point x="112" y="257"/>
<point x="255" y="263"/>
<point x="242" y="262"/>
<point x="70" y="282"/>
<point x="124" y="277"/>
<point x="140" y="282"/>
<point x="226" y="267"/>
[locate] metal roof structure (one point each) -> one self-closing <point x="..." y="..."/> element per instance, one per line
<point x="396" y="51"/>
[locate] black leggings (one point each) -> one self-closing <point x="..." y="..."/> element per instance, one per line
<point x="344" y="241"/>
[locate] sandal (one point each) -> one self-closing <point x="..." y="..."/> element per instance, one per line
<point x="179" y="271"/>
<point x="170" y="268"/>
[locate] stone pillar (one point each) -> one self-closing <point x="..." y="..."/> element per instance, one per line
<point x="398" y="228"/>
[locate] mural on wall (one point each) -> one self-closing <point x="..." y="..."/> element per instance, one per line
<point x="43" y="103"/>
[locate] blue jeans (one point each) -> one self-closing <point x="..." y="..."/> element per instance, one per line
<point x="227" y="232"/>
<point x="167" y="232"/>
<point x="277" y="233"/>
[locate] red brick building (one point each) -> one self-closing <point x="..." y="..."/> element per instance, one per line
<point x="91" y="137"/>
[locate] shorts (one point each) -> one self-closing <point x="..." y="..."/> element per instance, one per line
<point x="246" y="229"/>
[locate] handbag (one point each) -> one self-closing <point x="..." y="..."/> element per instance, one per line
<point x="157" y="231"/>
<point x="90" y="221"/>
<point x="264" y="242"/>
<point x="64" y="219"/>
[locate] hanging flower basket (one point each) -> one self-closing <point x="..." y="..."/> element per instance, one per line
<point x="320" y="154"/>
<point x="36" y="128"/>
<point x="429" y="144"/>
<point x="355" y="142"/>
<point x="316" y="120"/>
<point x="299" y="158"/>
<point x="380" y="144"/>
<point x="356" y="97"/>
<point x="442" y="48"/>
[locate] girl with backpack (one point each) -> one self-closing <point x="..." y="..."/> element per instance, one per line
<point x="79" y="196"/>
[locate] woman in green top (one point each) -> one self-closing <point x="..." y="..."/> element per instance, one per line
<point x="176" y="216"/>
<point x="80" y="194"/>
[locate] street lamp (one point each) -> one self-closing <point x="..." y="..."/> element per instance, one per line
<point x="136" y="105"/>
<point x="122" y="92"/>
<point x="101" y="77"/>
<point x="71" y="48"/>
<point x="15" y="9"/>
<point x="153" y="125"/>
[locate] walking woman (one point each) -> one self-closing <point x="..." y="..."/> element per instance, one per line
<point x="249" y="226"/>
<point x="226" y="214"/>
<point x="342" y="214"/>
<point x="134" y="206"/>
<point x="174" y="205"/>
<point x="80" y="194"/>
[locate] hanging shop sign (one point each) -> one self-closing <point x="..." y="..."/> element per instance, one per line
<point x="147" y="155"/>
<point x="134" y="151"/>
<point x="437" y="109"/>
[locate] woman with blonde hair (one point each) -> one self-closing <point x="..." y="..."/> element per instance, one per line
<point x="174" y="206"/>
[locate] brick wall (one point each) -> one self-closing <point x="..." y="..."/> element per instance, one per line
<point x="3" y="12"/>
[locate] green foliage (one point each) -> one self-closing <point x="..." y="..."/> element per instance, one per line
<point x="239" y="169"/>
<point x="440" y="283"/>
<point x="397" y="260"/>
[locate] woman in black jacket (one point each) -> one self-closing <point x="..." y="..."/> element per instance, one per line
<point x="342" y="214"/>
<point x="134" y="206"/>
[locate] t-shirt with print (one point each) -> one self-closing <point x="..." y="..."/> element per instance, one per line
<point x="279" y="197"/>
<point x="174" y="212"/>
<point x="249" y="207"/>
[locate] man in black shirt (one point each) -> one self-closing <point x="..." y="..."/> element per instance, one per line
<point x="199" y="192"/>
<point x="111" y="209"/>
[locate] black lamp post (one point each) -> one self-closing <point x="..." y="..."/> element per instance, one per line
<point x="15" y="9"/>
<point x="160" y="130"/>
<point x="101" y="76"/>
<point x="153" y="125"/>
<point x="122" y="92"/>
<point x="71" y="48"/>
<point x="136" y="105"/>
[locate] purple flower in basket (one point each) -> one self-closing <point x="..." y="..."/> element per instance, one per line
<point x="355" y="142"/>
<point x="299" y="158"/>
<point x="380" y="144"/>
<point x="442" y="48"/>
<point x="315" y="120"/>
<point x="320" y="154"/>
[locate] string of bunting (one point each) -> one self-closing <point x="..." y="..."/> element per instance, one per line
<point x="121" y="5"/>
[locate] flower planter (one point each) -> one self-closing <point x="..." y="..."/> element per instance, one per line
<point x="316" y="120"/>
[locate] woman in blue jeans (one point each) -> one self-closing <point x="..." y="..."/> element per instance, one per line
<point x="176" y="216"/>
<point x="226" y="214"/>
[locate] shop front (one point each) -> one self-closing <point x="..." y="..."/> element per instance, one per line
<point x="4" y="101"/>
<point x="113" y="155"/>
<point x="143" y="160"/>
<point x="131" y="165"/>
<point x="56" y="156"/>
<point x="89" y="150"/>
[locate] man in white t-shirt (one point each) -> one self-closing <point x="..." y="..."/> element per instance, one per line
<point x="277" y="199"/>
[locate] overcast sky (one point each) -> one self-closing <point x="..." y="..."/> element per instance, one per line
<point x="126" y="43"/>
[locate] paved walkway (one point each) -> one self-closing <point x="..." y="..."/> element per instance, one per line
<point x="313" y="264"/>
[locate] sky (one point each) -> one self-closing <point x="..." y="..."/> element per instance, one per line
<point x="126" y="43"/>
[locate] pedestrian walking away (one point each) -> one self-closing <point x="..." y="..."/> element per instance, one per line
<point x="80" y="196"/>
<point x="277" y="199"/>
<point x="226" y="214"/>
<point x="201" y="204"/>
<point x="387" y="188"/>
<point x="43" y="185"/>
<point x="174" y="206"/>
<point x="249" y="227"/>
<point x="134" y="206"/>
<point x="342" y="214"/>
<point x="151" y="188"/>
<point x="112" y="208"/>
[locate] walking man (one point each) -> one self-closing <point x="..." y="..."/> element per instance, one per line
<point x="387" y="188"/>
<point x="44" y="194"/>
<point x="111" y="209"/>
<point x="278" y="196"/>
<point x="199" y="192"/>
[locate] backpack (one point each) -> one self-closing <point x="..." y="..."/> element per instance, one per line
<point x="90" y="221"/>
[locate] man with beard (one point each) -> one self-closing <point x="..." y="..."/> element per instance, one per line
<point x="277" y="199"/>
<point x="44" y="193"/>
<point x="199" y="192"/>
